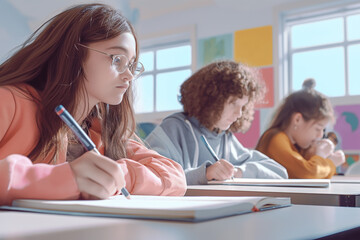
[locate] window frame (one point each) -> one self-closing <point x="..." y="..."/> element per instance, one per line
<point x="158" y="41"/>
<point x="291" y="14"/>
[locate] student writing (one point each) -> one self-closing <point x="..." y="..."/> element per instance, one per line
<point x="294" y="136"/>
<point x="217" y="100"/>
<point x="84" y="58"/>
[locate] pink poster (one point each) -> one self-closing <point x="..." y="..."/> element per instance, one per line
<point x="250" y="138"/>
<point x="268" y="77"/>
<point x="347" y="126"/>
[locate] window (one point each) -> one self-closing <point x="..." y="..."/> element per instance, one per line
<point x="324" y="45"/>
<point x="166" y="68"/>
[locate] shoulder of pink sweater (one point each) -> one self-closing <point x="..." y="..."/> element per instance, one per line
<point x="7" y="109"/>
<point x="10" y="98"/>
<point x="22" y="90"/>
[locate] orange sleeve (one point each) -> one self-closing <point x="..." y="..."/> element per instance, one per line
<point x="148" y="173"/>
<point x="284" y="152"/>
<point x="20" y="178"/>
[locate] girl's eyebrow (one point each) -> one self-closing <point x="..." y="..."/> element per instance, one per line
<point x="123" y="49"/>
<point x="118" y="48"/>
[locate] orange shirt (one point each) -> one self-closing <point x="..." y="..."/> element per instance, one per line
<point x="284" y="152"/>
<point x="146" y="172"/>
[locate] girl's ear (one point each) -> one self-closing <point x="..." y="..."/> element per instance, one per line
<point x="297" y="118"/>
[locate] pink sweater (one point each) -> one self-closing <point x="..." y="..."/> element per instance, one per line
<point x="146" y="172"/>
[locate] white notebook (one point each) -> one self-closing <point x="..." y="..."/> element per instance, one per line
<point x="275" y="182"/>
<point x="154" y="207"/>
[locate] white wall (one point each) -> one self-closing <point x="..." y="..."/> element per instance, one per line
<point x="158" y="18"/>
<point x="19" y="18"/>
<point x="211" y="18"/>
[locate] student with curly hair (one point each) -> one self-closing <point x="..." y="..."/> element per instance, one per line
<point x="294" y="136"/>
<point x="84" y="58"/>
<point x="217" y="100"/>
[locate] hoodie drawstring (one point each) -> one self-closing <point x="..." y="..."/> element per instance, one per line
<point x="196" y="153"/>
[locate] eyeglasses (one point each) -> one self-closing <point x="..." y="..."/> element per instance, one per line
<point x="121" y="63"/>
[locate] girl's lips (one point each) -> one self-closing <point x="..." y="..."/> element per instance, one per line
<point x="123" y="86"/>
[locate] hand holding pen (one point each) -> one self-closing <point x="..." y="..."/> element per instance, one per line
<point x="221" y="169"/>
<point x="95" y="177"/>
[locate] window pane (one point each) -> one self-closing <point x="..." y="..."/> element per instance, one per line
<point x="354" y="70"/>
<point x="173" y="57"/>
<point x="144" y="94"/>
<point x="168" y="89"/>
<point x="147" y="59"/>
<point x="353" y="23"/>
<point x="317" y="33"/>
<point x="326" y="66"/>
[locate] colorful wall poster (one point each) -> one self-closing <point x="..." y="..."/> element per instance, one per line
<point x="267" y="75"/>
<point x="347" y="126"/>
<point x="254" y="46"/>
<point x="350" y="159"/>
<point x="215" y="48"/>
<point x="250" y="138"/>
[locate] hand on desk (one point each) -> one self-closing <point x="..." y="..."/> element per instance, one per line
<point x="97" y="176"/>
<point x="338" y="158"/>
<point x="222" y="170"/>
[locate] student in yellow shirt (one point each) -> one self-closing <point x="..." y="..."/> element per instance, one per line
<point x="294" y="136"/>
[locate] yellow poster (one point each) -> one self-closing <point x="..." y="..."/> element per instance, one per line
<point x="254" y="46"/>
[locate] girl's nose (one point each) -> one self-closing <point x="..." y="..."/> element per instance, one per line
<point x="127" y="76"/>
<point x="238" y="112"/>
<point x="320" y="135"/>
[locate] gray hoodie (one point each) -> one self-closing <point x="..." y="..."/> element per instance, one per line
<point x="178" y="138"/>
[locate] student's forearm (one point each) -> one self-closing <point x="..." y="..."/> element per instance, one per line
<point x="20" y="178"/>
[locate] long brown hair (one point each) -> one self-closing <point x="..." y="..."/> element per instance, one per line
<point x="312" y="105"/>
<point x="204" y="94"/>
<point x="51" y="62"/>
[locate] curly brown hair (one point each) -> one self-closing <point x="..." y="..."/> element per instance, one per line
<point x="204" y="94"/>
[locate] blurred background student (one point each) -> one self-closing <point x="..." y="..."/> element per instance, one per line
<point x="294" y="138"/>
<point x="217" y="100"/>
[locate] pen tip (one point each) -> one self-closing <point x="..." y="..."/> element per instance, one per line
<point x="125" y="192"/>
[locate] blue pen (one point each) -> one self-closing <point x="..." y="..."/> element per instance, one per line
<point x="81" y="135"/>
<point x="207" y="145"/>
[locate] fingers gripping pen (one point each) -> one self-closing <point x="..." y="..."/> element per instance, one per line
<point x="81" y="135"/>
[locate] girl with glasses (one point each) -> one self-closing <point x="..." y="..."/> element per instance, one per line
<point x="85" y="59"/>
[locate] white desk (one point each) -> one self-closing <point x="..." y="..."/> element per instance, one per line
<point x="337" y="194"/>
<point x="346" y="179"/>
<point x="295" y="222"/>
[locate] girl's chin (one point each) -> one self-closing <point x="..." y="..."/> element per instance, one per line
<point x="305" y="146"/>
<point x="224" y="128"/>
<point x="115" y="101"/>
